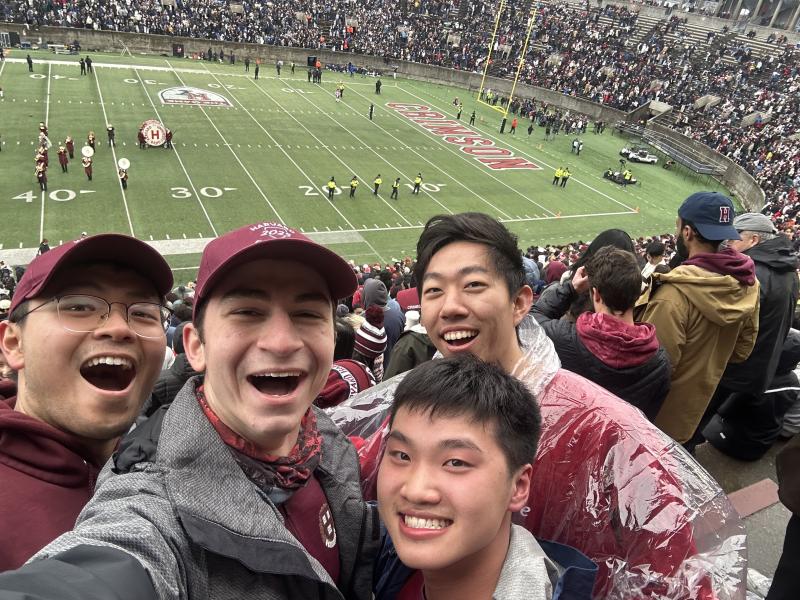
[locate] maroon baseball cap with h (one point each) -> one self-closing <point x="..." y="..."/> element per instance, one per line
<point x="275" y="241"/>
<point x="113" y="248"/>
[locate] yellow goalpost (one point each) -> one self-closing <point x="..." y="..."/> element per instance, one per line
<point x="486" y="95"/>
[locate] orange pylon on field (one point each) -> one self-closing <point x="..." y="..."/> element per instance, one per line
<point x="636" y="209"/>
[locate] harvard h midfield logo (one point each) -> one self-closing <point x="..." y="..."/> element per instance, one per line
<point x="193" y="97"/>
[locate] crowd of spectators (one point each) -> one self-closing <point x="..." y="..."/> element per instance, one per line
<point x="586" y="53"/>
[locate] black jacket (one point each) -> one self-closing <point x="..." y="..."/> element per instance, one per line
<point x="644" y="385"/>
<point x="168" y="385"/>
<point x="776" y="268"/>
<point x="746" y="425"/>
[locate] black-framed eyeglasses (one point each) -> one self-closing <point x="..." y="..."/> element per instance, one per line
<point x="81" y="313"/>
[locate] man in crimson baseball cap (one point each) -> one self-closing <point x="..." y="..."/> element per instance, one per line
<point x="240" y="468"/>
<point x="85" y="337"/>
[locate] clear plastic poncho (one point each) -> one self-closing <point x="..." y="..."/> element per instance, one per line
<point x="607" y="482"/>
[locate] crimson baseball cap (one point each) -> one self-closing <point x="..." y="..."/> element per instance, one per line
<point x="712" y="214"/>
<point x="107" y="248"/>
<point x="276" y="241"/>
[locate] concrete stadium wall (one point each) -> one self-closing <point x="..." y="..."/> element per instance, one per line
<point x="735" y="178"/>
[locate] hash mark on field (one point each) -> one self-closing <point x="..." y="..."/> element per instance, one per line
<point x="184" y="236"/>
<point x="167" y="236"/>
<point x="151" y="238"/>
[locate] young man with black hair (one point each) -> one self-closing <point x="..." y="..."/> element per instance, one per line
<point x="240" y="489"/>
<point x="606" y="345"/>
<point x="705" y="311"/>
<point x="475" y="300"/>
<point x="86" y="339"/>
<point x="654" y="259"/>
<point x="457" y="465"/>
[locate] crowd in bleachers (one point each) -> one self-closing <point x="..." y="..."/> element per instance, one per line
<point x="588" y="54"/>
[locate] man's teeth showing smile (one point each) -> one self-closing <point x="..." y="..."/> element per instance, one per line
<point x="458" y="338"/>
<point x="420" y="523"/>
<point x="277" y="383"/>
<point x="112" y="373"/>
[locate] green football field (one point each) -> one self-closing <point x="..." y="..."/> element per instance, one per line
<point x="269" y="154"/>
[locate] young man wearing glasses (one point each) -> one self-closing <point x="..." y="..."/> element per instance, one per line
<point x="86" y="338"/>
<point x="240" y="488"/>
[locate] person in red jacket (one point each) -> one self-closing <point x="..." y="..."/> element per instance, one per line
<point x="85" y="337"/>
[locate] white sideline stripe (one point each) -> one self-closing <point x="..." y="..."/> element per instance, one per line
<point x="114" y="155"/>
<point x="525" y="153"/>
<point x="383" y="158"/>
<point x="434" y="165"/>
<point x="195" y="246"/>
<point x="452" y="150"/>
<point x="236" y="156"/>
<point x="175" y="150"/>
<point x="185" y="70"/>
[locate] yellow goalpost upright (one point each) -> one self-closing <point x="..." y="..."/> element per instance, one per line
<point x="483" y="92"/>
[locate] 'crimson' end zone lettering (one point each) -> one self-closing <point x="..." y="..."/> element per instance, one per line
<point x="468" y="141"/>
<point x="500" y="164"/>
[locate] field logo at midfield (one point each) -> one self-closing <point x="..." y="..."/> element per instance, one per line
<point x="193" y="97"/>
<point x="470" y="142"/>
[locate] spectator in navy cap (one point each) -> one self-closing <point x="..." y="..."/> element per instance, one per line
<point x="705" y="311"/>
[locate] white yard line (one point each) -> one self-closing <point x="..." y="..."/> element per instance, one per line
<point x="360" y="141"/>
<point x="114" y="155"/>
<point x="488" y="133"/>
<point x="177" y="155"/>
<point x="286" y="154"/>
<point x="41" y="219"/>
<point x="46" y="122"/>
<point x="233" y="152"/>
<point x="323" y="145"/>
<point x="432" y="164"/>
<point x="47" y="98"/>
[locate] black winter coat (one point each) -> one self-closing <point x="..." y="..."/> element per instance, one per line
<point x="776" y="268"/>
<point x="168" y="384"/>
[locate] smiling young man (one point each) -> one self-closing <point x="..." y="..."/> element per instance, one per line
<point x="86" y="338"/>
<point x="239" y="489"/>
<point x="462" y="439"/>
<point x="590" y="469"/>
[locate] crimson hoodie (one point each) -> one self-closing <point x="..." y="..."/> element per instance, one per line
<point x="726" y="262"/>
<point x="46" y="478"/>
<point x="615" y="342"/>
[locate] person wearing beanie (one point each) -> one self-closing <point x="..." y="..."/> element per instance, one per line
<point x="371" y="341"/>
<point x="346" y="379"/>
<point x="375" y="293"/>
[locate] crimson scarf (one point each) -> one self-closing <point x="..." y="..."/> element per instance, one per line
<point x="266" y="470"/>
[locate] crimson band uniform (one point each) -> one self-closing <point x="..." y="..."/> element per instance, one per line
<point x="62" y="158"/>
